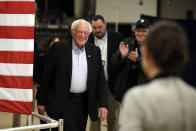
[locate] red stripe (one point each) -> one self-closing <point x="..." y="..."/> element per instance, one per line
<point x="18" y="82"/>
<point x="16" y="57"/>
<point x="17" y="7"/>
<point x="16" y="107"/>
<point x="17" y="32"/>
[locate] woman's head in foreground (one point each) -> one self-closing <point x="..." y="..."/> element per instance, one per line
<point x="165" y="47"/>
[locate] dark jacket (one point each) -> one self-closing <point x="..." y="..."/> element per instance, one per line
<point x="113" y="42"/>
<point x="39" y="67"/>
<point x="55" y="86"/>
<point x="129" y="72"/>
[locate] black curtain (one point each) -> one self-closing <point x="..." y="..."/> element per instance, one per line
<point x="66" y="6"/>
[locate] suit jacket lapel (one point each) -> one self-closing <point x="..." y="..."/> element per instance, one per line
<point x="88" y="58"/>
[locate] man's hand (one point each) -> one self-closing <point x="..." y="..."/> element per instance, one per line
<point x="103" y="113"/>
<point x="42" y="109"/>
<point x="124" y="49"/>
<point x="133" y="55"/>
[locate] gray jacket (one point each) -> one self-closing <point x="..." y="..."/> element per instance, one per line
<point x="164" y="104"/>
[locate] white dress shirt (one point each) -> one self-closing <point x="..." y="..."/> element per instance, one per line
<point x="102" y="44"/>
<point x="79" y="69"/>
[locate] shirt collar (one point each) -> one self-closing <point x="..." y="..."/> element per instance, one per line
<point x="75" y="47"/>
<point x="163" y="75"/>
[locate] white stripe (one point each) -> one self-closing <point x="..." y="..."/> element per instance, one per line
<point x="16" y="94"/>
<point x="16" y="44"/>
<point x="17" y="0"/>
<point x="17" y="19"/>
<point x="16" y="69"/>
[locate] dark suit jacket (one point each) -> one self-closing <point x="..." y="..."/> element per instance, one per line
<point x="113" y="42"/>
<point x="55" y="86"/>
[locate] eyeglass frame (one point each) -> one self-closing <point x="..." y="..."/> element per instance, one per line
<point x="78" y="32"/>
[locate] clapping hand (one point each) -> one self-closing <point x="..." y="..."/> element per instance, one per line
<point x="133" y="55"/>
<point x="124" y="49"/>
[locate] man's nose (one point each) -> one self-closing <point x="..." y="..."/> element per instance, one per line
<point x="97" y="30"/>
<point x="83" y="34"/>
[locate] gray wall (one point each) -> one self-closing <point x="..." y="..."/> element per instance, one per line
<point x="125" y="11"/>
<point x="129" y="11"/>
<point x="177" y="9"/>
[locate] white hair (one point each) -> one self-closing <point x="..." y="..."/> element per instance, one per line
<point x="76" y="22"/>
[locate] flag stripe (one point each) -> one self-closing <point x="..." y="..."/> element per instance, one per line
<point x="17" y="7"/>
<point x="17" y="32"/>
<point x="18" y="107"/>
<point x="16" y="69"/>
<point x="18" y="82"/>
<point x="17" y="45"/>
<point x="16" y="0"/>
<point x="16" y="57"/>
<point x="12" y="19"/>
<point x="17" y="18"/>
<point x="16" y="94"/>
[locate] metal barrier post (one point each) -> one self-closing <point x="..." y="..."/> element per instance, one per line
<point x="29" y="120"/>
<point x="60" y="124"/>
<point x="51" y="124"/>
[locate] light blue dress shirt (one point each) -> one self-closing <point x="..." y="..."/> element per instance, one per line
<point x="79" y="69"/>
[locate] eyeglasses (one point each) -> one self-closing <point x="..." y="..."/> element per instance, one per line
<point x="78" y="32"/>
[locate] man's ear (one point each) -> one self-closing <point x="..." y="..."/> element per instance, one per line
<point x="72" y="32"/>
<point x="105" y="25"/>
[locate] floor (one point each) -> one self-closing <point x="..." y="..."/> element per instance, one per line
<point x="6" y="121"/>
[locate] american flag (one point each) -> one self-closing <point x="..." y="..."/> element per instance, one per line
<point x="17" y="18"/>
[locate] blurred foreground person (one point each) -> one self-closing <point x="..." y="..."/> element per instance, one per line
<point x="166" y="103"/>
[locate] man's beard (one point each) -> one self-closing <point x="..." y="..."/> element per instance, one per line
<point x="100" y="36"/>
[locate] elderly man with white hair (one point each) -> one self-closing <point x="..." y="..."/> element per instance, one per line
<point x="73" y="83"/>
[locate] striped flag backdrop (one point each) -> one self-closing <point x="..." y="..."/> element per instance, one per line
<point x="17" y="18"/>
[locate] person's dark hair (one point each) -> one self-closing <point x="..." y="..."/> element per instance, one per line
<point x="167" y="44"/>
<point x="49" y="39"/>
<point x="97" y="17"/>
